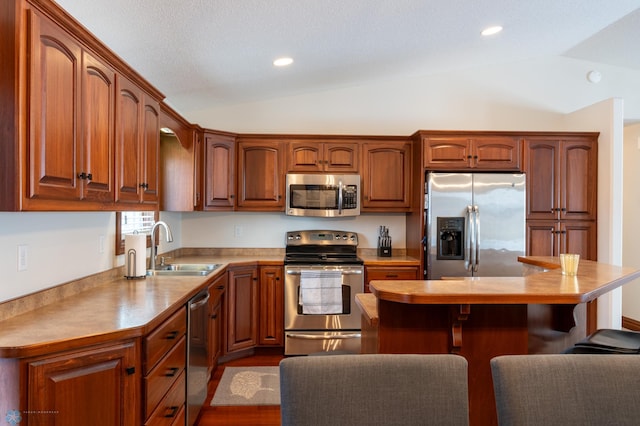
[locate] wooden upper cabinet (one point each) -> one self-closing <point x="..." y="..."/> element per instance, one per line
<point x="219" y="172"/>
<point x="71" y="103"/>
<point x="137" y="144"/>
<point x="319" y="156"/>
<point x="260" y="175"/>
<point x="444" y="152"/>
<point x="561" y="178"/>
<point x="386" y="176"/>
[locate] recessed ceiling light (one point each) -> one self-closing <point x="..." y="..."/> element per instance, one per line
<point x="283" y="62"/>
<point x="491" y="30"/>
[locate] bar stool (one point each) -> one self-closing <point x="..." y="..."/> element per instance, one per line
<point x="608" y="341"/>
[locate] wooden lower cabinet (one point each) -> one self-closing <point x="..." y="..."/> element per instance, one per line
<point x="217" y="291"/>
<point x="242" y="308"/>
<point x="164" y="365"/>
<point x="271" y="320"/>
<point x="389" y="273"/>
<point x="95" y="386"/>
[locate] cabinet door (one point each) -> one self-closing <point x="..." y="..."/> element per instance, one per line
<point x="216" y="331"/>
<point x="578" y="179"/>
<point x="98" y="106"/>
<point x="150" y="151"/>
<point x="542" y="166"/>
<point x="271" y="321"/>
<point x="219" y="169"/>
<point x="579" y="237"/>
<point x="496" y="153"/>
<point x="54" y="111"/>
<point x="341" y="157"/>
<point x="305" y="156"/>
<point x="260" y="176"/>
<point x="389" y="273"/>
<point x="93" y="387"/>
<point x="446" y="152"/>
<point x="242" y="308"/>
<point x="128" y="135"/>
<point x="542" y="238"/>
<point x="386" y="171"/>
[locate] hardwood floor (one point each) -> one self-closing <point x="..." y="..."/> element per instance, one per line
<point x="265" y="415"/>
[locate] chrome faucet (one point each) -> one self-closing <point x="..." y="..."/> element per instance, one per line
<point x="154" y="248"/>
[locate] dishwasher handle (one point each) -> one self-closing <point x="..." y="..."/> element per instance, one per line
<point x="199" y="302"/>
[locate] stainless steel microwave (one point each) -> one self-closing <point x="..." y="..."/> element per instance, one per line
<point x="322" y="195"/>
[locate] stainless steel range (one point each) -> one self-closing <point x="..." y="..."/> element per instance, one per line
<point x="322" y="276"/>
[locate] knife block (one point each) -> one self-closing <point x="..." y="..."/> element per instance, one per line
<point x="384" y="248"/>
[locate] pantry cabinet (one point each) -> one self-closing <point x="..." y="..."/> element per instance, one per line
<point x="316" y="155"/>
<point x="260" y="175"/>
<point x="463" y="152"/>
<point x="562" y="174"/>
<point x="219" y="172"/>
<point x="96" y="386"/>
<point x="271" y="319"/>
<point x="386" y="176"/>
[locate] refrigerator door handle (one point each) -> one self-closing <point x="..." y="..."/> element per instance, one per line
<point x="476" y="229"/>
<point x="468" y="249"/>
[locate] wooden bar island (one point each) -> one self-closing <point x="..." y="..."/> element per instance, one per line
<point x="480" y="318"/>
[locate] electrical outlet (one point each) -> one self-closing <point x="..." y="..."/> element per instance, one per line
<point x="237" y="231"/>
<point x="23" y="257"/>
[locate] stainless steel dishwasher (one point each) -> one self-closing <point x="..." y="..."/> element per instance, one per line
<point x="197" y="363"/>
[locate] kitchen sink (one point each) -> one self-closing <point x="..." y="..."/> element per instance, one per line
<point x="174" y="269"/>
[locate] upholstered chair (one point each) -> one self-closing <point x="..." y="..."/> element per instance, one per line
<point x="374" y="390"/>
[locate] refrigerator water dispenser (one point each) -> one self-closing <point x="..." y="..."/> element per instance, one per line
<point x="451" y="238"/>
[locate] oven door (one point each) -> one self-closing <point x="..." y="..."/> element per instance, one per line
<point x="318" y="332"/>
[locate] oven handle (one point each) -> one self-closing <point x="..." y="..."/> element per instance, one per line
<point x="323" y="337"/>
<point x="355" y="272"/>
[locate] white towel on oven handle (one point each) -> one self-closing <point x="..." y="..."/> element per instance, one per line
<point x="321" y="292"/>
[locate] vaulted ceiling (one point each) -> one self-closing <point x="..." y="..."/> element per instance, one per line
<point x="212" y="53"/>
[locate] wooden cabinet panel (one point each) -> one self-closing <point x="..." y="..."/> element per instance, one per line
<point x="260" y="175"/>
<point x="219" y="170"/>
<point x="390" y="272"/>
<point x="163" y="338"/>
<point x="98" y="105"/>
<point x="320" y="156"/>
<point x="54" y="111"/>
<point x="71" y="108"/>
<point x="96" y="386"/>
<point x="561" y="178"/>
<point x="550" y="238"/>
<point x="137" y="145"/>
<point x="386" y="176"/>
<point x="271" y="320"/>
<point x="160" y="379"/>
<point x="242" y="308"/>
<point x="461" y="152"/>
<point x="216" y="326"/>
<point x="171" y="410"/>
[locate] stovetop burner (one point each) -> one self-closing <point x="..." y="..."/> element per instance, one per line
<point x="321" y="247"/>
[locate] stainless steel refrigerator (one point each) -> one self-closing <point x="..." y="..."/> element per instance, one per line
<point x="475" y="224"/>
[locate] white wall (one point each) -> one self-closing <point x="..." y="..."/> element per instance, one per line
<point x="631" y="224"/>
<point x="527" y="95"/>
<point x="606" y="117"/>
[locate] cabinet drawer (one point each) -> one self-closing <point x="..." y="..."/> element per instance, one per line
<point x="395" y="273"/>
<point x="158" y="382"/>
<point x="171" y="410"/>
<point x="160" y="340"/>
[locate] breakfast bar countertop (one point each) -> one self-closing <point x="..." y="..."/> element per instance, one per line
<point x="548" y="286"/>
